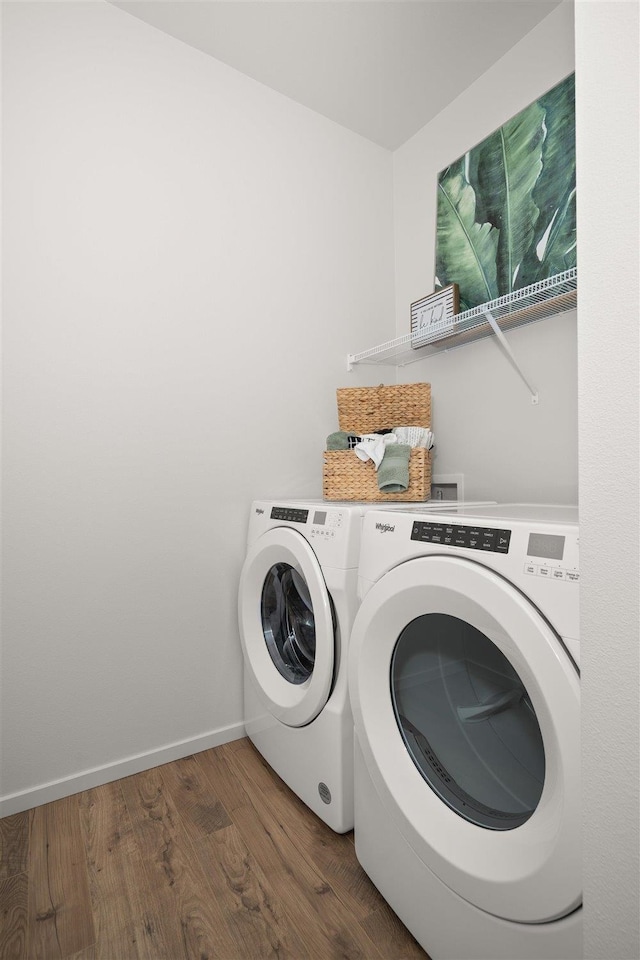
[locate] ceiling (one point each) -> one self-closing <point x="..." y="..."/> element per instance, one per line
<point x="382" y="68"/>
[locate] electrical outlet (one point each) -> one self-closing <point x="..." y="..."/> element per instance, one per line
<point x="447" y="487"/>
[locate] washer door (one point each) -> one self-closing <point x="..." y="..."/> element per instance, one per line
<point x="286" y="626"/>
<point x="467" y="709"/>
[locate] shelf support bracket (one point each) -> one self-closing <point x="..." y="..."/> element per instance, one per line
<point x="505" y="346"/>
<point x="351" y="357"/>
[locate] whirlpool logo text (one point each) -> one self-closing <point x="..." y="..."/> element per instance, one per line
<point x="385" y="527"/>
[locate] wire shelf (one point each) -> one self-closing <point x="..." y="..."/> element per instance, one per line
<point x="545" y="298"/>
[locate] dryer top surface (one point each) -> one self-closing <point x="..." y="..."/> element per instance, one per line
<point x="508" y="512"/>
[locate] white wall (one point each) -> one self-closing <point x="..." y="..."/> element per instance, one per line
<point x="188" y="258"/>
<point x="607" y="77"/>
<point x="484" y="422"/>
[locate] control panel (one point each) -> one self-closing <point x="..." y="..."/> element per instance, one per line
<point x="326" y="524"/>
<point x="321" y="524"/>
<point x="458" y="535"/>
<point x="292" y="514"/>
<point x="550" y="556"/>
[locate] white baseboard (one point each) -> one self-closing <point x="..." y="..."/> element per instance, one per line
<point x="45" y="793"/>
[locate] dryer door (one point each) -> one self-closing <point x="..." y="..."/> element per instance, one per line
<point x="286" y="626"/>
<point x="466" y="706"/>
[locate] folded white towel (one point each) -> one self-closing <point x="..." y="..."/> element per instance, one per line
<point x="373" y="445"/>
<point x="414" y="436"/>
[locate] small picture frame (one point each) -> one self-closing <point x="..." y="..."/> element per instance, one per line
<point x="432" y="316"/>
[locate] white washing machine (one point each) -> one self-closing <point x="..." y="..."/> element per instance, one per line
<point x="296" y="605"/>
<point x="464" y="684"/>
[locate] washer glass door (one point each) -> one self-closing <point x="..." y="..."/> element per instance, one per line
<point x="288" y="622"/>
<point x="468" y="721"/>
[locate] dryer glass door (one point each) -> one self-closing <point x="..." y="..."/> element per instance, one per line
<point x="468" y="722"/>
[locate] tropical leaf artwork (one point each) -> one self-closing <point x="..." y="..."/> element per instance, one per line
<point x="507" y="208"/>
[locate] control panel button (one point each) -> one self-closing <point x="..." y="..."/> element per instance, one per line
<point x="502" y="542"/>
<point x="559" y="574"/>
<point x="475" y="537"/>
<point x="531" y="568"/>
<point x="572" y="575"/>
<point x="488" y="539"/>
<point x="544" y="572"/>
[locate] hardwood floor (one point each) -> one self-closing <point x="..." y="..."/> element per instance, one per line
<point x="208" y="857"/>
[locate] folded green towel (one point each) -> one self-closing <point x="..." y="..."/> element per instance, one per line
<point x="393" y="472"/>
<point x="338" y="440"/>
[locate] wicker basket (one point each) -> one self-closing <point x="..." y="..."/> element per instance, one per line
<point x="365" y="410"/>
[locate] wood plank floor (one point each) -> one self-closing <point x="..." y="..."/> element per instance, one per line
<point x="208" y="857"/>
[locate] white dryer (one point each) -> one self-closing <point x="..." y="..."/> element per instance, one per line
<point x="296" y="605"/>
<point x="464" y="683"/>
